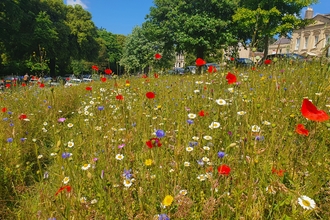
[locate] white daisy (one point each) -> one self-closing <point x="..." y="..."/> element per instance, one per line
<point x="186" y="164"/>
<point x="119" y="156"/>
<point x="70" y="125"/>
<point x="214" y="125"/>
<point x="86" y="166"/>
<point x="191" y="115"/>
<point x="266" y="123"/>
<point x="255" y="128"/>
<point x="202" y="177"/>
<point x="207" y="137"/>
<point x="241" y="113"/>
<point x="206" y="148"/>
<point x="66" y="180"/>
<point x="183" y="192"/>
<point x="189" y="149"/>
<point x="127" y="183"/>
<point x="306" y="202"/>
<point x="221" y="102"/>
<point x="70" y="144"/>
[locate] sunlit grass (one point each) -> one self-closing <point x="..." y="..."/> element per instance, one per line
<point x="83" y="156"/>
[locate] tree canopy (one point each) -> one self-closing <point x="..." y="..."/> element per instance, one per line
<point x="192" y="26"/>
<point x="259" y="20"/>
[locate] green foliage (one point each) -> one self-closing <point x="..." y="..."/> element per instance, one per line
<point x="139" y="52"/>
<point x="191" y="26"/>
<point x="258" y="21"/>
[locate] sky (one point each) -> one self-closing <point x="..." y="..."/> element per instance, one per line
<point x="121" y="16"/>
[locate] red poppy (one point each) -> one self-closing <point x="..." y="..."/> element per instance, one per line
<point x="4" y="109"/>
<point x="127" y="82"/>
<point x="22" y="117"/>
<point x="42" y="85"/>
<point x="212" y="69"/>
<point x="202" y="113"/>
<point x="8" y="85"/>
<point x="144" y="76"/>
<point x="94" y="67"/>
<point x="68" y="189"/>
<point x="224" y="169"/>
<point x="232" y="58"/>
<point x="153" y="142"/>
<point x="231" y="78"/>
<point x="278" y="172"/>
<point x="89" y="88"/>
<point x="23" y="84"/>
<point x="108" y="71"/>
<point x="200" y="62"/>
<point x="156" y="75"/>
<point x="103" y="79"/>
<point x="119" y="97"/>
<point x="267" y="62"/>
<point x="300" y="129"/>
<point x="150" y="95"/>
<point x="310" y="112"/>
<point x="253" y="68"/>
<point x="158" y="56"/>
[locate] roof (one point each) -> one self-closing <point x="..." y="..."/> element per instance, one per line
<point x="282" y="41"/>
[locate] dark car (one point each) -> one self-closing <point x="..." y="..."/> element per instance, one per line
<point x="244" y="62"/>
<point x="190" y="69"/>
<point x="176" y="70"/>
<point x="292" y="57"/>
<point x="215" y="65"/>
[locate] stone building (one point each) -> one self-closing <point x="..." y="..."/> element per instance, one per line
<point x="312" y="39"/>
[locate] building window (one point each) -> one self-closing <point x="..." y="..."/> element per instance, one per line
<point x="297" y="44"/>
<point x="327" y="40"/>
<point x="306" y="43"/>
<point x="316" y="41"/>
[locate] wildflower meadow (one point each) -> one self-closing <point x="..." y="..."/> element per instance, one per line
<point x="234" y="143"/>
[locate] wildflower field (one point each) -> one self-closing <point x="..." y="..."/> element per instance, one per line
<point x="233" y="144"/>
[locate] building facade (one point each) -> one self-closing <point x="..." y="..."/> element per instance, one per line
<point x="314" y="38"/>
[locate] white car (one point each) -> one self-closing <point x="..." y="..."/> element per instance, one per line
<point x="72" y="82"/>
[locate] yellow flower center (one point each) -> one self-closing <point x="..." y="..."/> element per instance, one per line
<point x="306" y="203"/>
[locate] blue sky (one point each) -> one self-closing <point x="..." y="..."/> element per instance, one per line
<point x="121" y="16"/>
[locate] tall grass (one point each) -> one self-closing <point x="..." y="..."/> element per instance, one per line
<point x="270" y="168"/>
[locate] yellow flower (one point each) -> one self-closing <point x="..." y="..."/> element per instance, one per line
<point x="148" y="162"/>
<point x="168" y="200"/>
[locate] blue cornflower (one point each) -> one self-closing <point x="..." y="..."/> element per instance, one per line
<point x="23" y="139"/>
<point x="160" y="133"/>
<point x="10" y="140"/>
<point x="193" y="143"/>
<point x="100" y="108"/>
<point x="221" y="154"/>
<point x="259" y="138"/>
<point x="66" y="155"/>
<point x="11" y="124"/>
<point x="127" y="173"/>
<point x="190" y="121"/>
<point x="163" y="217"/>
<point x="200" y="162"/>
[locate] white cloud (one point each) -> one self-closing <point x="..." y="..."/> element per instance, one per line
<point x="76" y="2"/>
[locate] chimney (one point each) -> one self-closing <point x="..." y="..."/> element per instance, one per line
<point x="309" y="13"/>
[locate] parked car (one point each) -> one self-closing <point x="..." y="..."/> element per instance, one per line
<point x="215" y="65"/>
<point x="293" y="57"/>
<point x="244" y="62"/>
<point x="176" y="70"/>
<point x="190" y="69"/>
<point x="72" y="82"/>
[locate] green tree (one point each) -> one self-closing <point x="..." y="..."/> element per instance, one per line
<point x="199" y="26"/>
<point x="259" y="20"/>
<point x="139" y="52"/>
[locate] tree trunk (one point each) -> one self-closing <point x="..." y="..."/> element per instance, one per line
<point x="52" y="67"/>
<point x="200" y="54"/>
<point x="266" y="42"/>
